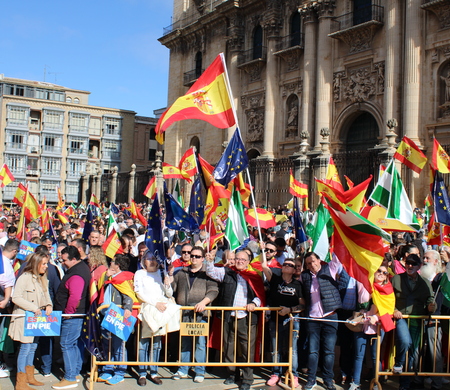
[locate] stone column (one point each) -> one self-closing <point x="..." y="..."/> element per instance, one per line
<point x="392" y="63"/>
<point x="159" y="175"/>
<point x="301" y="165"/>
<point x="272" y="26"/>
<point x="113" y="188"/>
<point x="412" y="77"/>
<point x="131" y="182"/>
<point x="98" y="189"/>
<point x="324" y="68"/>
<point x="84" y="187"/>
<point x="309" y="70"/>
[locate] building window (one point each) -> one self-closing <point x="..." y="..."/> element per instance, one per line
<point x="32" y="163"/>
<point x="79" y="122"/>
<point x="112" y="126"/>
<point x="16" y="140"/>
<point x="71" y="192"/>
<point x="53" y="119"/>
<point x="362" y="11"/>
<point x="76" y="101"/>
<point x="51" y="166"/>
<point x="52" y="144"/>
<point x="48" y="189"/>
<point x="152" y="134"/>
<point x="75" y="167"/>
<point x="295" y="29"/>
<point x="111" y="150"/>
<point x="57" y="96"/>
<point x="198" y="64"/>
<point x="77" y="145"/>
<point x="258" y="43"/>
<point x="68" y="99"/>
<point x="16" y="163"/>
<point x="17" y="115"/>
<point x="41" y="94"/>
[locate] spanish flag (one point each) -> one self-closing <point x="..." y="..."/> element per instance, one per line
<point x="19" y="197"/>
<point x="440" y="161"/>
<point x="64" y="218"/>
<point x="409" y="154"/>
<point x="171" y="172"/>
<point x="384" y="299"/>
<point x="332" y="176"/>
<point x="6" y="176"/>
<point x="188" y="164"/>
<point x="151" y="189"/>
<point x="296" y="188"/>
<point x="60" y="199"/>
<point x="208" y="100"/>
<point x="112" y="245"/>
<point x="135" y="213"/>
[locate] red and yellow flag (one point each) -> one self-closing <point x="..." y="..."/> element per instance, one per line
<point x="440" y="160"/>
<point x="151" y="189"/>
<point x="94" y="201"/>
<point x="136" y="213"/>
<point x="31" y="207"/>
<point x="332" y="177"/>
<point x="6" y="176"/>
<point x="19" y="197"/>
<point x="296" y="188"/>
<point x="243" y="188"/>
<point x="171" y="172"/>
<point x="188" y="165"/>
<point x="112" y="245"/>
<point x="208" y="100"/>
<point x="60" y="199"/>
<point x="409" y="154"/>
<point x="384" y="299"/>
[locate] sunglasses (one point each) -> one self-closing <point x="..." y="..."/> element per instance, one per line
<point x="185" y="252"/>
<point x="382" y="272"/>
<point x="412" y="264"/>
<point x="196" y="256"/>
<point x="269" y="250"/>
<point x="288" y="265"/>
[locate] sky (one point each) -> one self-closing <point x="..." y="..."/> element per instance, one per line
<point x="107" y="47"/>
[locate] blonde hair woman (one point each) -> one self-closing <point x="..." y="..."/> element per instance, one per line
<point x="30" y="294"/>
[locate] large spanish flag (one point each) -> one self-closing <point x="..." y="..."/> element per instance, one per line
<point x="408" y="153"/>
<point x="208" y="100"/>
<point x="296" y="188"/>
<point x="440" y="160"/>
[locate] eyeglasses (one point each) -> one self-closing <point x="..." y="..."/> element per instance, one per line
<point x="267" y="250"/>
<point x="382" y="272"/>
<point x="196" y="256"/>
<point x="186" y="252"/>
<point x="288" y="265"/>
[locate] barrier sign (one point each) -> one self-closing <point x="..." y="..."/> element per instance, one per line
<point x="44" y="325"/>
<point x="116" y="323"/>
<point x="194" y="329"/>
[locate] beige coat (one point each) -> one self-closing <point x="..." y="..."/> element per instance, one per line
<point x="29" y="295"/>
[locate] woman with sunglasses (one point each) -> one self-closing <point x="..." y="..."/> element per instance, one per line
<point x="369" y="334"/>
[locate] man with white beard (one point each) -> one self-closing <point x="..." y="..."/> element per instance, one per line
<point x="432" y="271"/>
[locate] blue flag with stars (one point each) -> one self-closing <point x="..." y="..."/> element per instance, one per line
<point x="88" y="225"/>
<point x="176" y="217"/>
<point x="233" y="160"/>
<point x="154" y="235"/>
<point x="196" y="205"/>
<point x="300" y="234"/>
<point x="441" y="202"/>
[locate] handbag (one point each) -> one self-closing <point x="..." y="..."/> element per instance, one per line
<point x="356" y="322"/>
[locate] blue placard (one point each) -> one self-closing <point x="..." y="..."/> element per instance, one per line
<point x="44" y="325"/>
<point x="25" y="249"/>
<point x="116" y="323"/>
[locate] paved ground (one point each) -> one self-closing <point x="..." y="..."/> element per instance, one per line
<point x="213" y="381"/>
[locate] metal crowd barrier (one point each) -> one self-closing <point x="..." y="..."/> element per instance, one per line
<point x="427" y="362"/>
<point x="213" y="324"/>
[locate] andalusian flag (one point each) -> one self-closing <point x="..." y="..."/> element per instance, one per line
<point x="208" y="100"/>
<point x="320" y="233"/>
<point x="440" y="160"/>
<point x="390" y="194"/>
<point x="6" y="176"/>
<point x="408" y="153"/>
<point x="236" y="231"/>
<point x="428" y="202"/>
<point x="296" y="188"/>
<point x="445" y="283"/>
<point x="178" y="196"/>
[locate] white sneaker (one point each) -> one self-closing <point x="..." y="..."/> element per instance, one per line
<point x="199" y="378"/>
<point x="397" y="369"/>
<point x="4" y="373"/>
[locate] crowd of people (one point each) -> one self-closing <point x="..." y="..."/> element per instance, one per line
<point x="316" y="296"/>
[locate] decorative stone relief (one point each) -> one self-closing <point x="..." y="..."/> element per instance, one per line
<point x="359" y="84"/>
<point x="444" y="97"/>
<point x="254" y="70"/>
<point x="200" y="4"/>
<point x="358" y="40"/>
<point x="273" y="20"/>
<point x="292" y="59"/>
<point x="435" y="56"/>
<point x="442" y="11"/>
<point x="292" y="87"/>
<point x="255" y="125"/>
<point x="324" y="7"/>
<point x="236" y="35"/>
<point x="292" y="107"/>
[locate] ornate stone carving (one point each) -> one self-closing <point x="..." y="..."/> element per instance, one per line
<point x="255" y="125"/>
<point x="442" y="11"/>
<point x="273" y="20"/>
<point x="324" y="7"/>
<point x="292" y="87"/>
<point x="446" y="51"/>
<point x="292" y="117"/>
<point x="435" y="56"/>
<point x="308" y="13"/>
<point x="235" y="33"/>
<point x="359" y="84"/>
<point x="324" y="132"/>
<point x="291" y="57"/>
<point x="253" y="69"/>
<point x="200" y="4"/>
<point x="253" y="101"/>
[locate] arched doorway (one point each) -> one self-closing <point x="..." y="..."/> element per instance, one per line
<point x="359" y="160"/>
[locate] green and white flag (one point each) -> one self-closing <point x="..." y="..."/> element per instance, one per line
<point x="320" y="235"/>
<point x="236" y="231"/>
<point x="177" y="195"/>
<point x="391" y="194"/>
<point x="111" y="224"/>
<point x="445" y="283"/>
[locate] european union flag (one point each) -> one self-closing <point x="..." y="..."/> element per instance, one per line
<point x="50" y="233"/>
<point x="233" y="160"/>
<point x="440" y="199"/>
<point x="300" y="234"/>
<point x="114" y="209"/>
<point x="154" y="236"/>
<point x="196" y="205"/>
<point x="176" y="217"/>
<point x="88" y="225"/>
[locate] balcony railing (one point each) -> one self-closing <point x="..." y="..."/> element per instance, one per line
<point x="16" y="122"/>
<point x="52" y="149"/>
<point x="191" y="76"/>
<point x="51" y="172"/>
<point x="209" y="7"/>
<point x="111" y="132"/>
<point x="16" y="146"/>
<point x="77" y="151"/>
<point x="78" y="129"/>
<point x="291" y="40"/>
<point x="106" y="154"/>
<point x="372" y="13"/>
<point x="257" y="53"/>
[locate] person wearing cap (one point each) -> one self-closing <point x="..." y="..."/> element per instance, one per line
<point x="283" y="233"/>
<point x="413" y="296"/>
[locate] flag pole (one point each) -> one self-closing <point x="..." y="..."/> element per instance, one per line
<point x="233" y="107"/>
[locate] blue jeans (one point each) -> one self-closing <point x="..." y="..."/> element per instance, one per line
<point x="118" y="353"/>
<point x="322" y="336"/>
<point x="26" y="355"/>
<point x="407" y="337"/>
<point x="281" y="351"/>
<point x="46" y="348"/>
<point x="71" y="346"/>
<point x="200" y="353"/>
<point x="361" y="341"/>
<point x="144" y="354"/>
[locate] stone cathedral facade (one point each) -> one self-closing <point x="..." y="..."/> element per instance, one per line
<point x="310" y="79"/>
